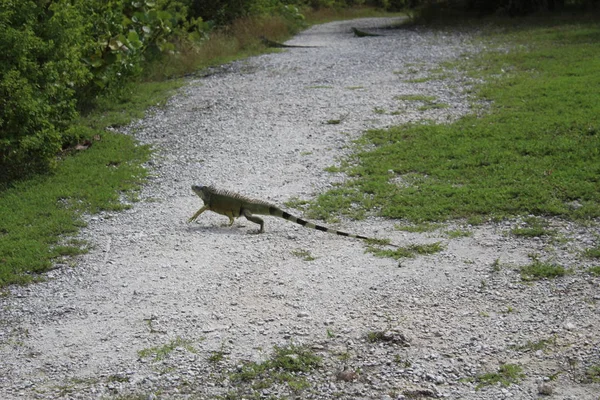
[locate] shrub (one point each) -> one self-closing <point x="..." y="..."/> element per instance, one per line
<point x="41" y="44"/>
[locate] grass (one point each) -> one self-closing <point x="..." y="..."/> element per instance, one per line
<point x="542" y="270"/>
<point x="506" y="375"/>
<point x="592" y="374"/>
<point x="288" y="365"/>
<point x="541" y="344"/>
<point x="533" y="227"/>
<point x="592" y="252"/>
<point x="407" y="251"/>
<point x="161" y="352"/>
<point x="595" y="270"/>
<point x="536" y="151"/>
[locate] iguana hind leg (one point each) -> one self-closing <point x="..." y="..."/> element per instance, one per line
<point x="255" y="219"/>
<point x="200" y="211"/>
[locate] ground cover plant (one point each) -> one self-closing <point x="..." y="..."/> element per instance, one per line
<point x="534" y="152"/>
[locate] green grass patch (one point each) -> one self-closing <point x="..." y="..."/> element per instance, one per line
<point x="161" y="352"/>
<point x="542" y="270"/>
<point x="406" y="252"/>
<point x="535" y="152"/>
<point x="541" y="344"/>
<point x="533" y="227"/>
<point x="592" y="374"/>
<point x="433" y="106"/>
<point x="592" y="252"/>
<point x="419" y="228"/>
<point x="595" y="270"/>
<point x="506" y="375"/>
<point x="458" y="233"/>
<point x="287" y="365"/>
<point x="416" y="97"/>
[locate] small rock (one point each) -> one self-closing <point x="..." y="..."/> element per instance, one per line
<point x="347" y="375"/>
<point x="545" y="389"/>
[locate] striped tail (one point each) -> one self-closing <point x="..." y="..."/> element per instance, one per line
<point x="276" y="212"/>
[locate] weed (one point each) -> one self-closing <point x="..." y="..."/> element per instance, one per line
<point x="592" y="374"/>
<point x="303" y="254"/>
<point x="333" y="121"/>
<point x="541" y="344"/>
<point x="287" y="365"/>
<point x="379" y="110"/>
<point x="594" y="270"/>
<point x="433" y="106"/>
<point x="419" y="228"/>
<point x="216" y="356"/>
<point x="506" y="375"/>
<point x="496" y="267"/>
<point x="593" y="252"/>
<point x="533" y="227"/>
<point x="415" y="97"/>
<point x="458" y="233"/>
<point x="542" y="270"/>
<point x="407" y="252"/>
<point x="420" y="80"/>
<point x="161" y="352"/>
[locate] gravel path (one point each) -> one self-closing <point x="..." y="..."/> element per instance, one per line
<point x="141" y="315"/>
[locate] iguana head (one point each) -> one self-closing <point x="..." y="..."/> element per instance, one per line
<point x="201" y="191"/>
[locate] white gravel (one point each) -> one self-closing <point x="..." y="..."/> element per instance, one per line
<point x="259" y="127"/>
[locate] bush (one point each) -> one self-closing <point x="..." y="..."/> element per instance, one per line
<point x="59" y="56"/>
<point x="41" y="44"/>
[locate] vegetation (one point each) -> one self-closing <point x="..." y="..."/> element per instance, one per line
<point x="161" y="352"/>
<point x="288" y="365"/>
<point x="506" y="375"/>
<point x="534" y="152"/>
<point x="542" y="270"/>
<point x="533" y="227"/>
<point x="407" y="251"/>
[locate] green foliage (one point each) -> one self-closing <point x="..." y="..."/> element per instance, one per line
<point x="286" y="365"/>
<point x="593" y="252"/>
<point x="42" y="45"/>
<point x="541" y="270"/>
<point x="161" y="352"/>
<point x="59" y="56"/>
<point x="506" y="375"/>
<point x="533" y="227"/>
<point x="535" y="152"/>
<point x="408" y="251"/>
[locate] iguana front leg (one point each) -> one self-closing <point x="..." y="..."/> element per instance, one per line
<point x="200" y="211"/>
<point x="229" y="214"/>
<point x="246" y="213"/>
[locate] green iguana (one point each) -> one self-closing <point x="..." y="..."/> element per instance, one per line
<point x="270" y="43"/>
<point x="234" y="205"/>
<point x="362" y="33"/>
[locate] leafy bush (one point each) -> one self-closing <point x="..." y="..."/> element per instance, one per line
<point x="41" y="44"/>
<point x="59" y="56"/>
